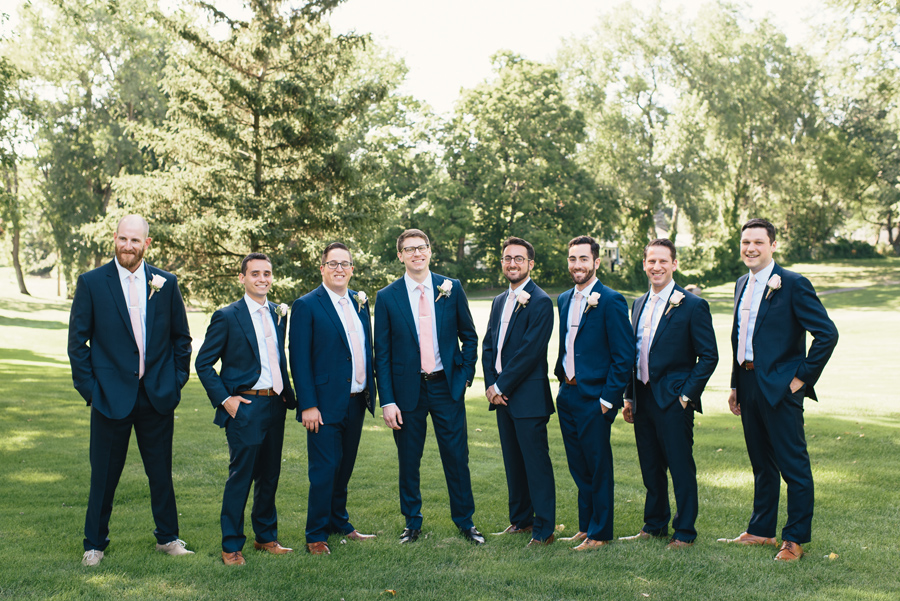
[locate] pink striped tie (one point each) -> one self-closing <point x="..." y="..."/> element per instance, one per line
<point x="354" y="341"/>
<point x="134" y="312"/>
<point x="504" y="324"/>
<point x="573" y="330"/>
<point x="745" y="321"/>
<point x="426" y="337"/>
<point x="271" y="350"/>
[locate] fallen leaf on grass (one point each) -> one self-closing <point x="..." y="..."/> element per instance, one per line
<point x="646" y="594"/>
<point x="718" y="450"/>
<point x="833" y="556"/>
<point x="560" y="527"/>
<point x="478" y="429"/>
<point x="390" y="591"/>
<point x="862" y="435"/>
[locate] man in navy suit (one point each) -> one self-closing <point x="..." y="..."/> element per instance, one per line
<point x="251" y="394"/>
<point x="420" y="320"/>
<point x="331" y="360"/>
<point x="130" y="351"/>
<point x="772" y="372"/>
<point x="675" y="356"/>
<point x="595" y="362"/>
<point x="514" y="360"/>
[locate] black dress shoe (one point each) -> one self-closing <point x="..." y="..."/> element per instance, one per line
<point x="473" y="535"/>
<point x="410" y="535"/>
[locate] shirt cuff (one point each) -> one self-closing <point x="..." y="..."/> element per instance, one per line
<point x="606" y="404"/>
<point x="387" y="405"/>
<point x="223" y="402"/>
<point x="497" y="390"/>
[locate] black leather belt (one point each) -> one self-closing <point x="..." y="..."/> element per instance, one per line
<point x="433" y="376"/>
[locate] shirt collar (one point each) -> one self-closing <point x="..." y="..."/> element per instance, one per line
<point x="411" y="284"/>
<point x="764" y="274"/>
<point x="252" y="305"/>
<point x="520" y="288"/>
<point x="124" y="273"/>
<point x="334" y="296"/>
<point x="665" y="292"/>
<point x="587" y="289"/>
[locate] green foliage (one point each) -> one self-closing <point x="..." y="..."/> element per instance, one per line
<point x="256" y="151"/>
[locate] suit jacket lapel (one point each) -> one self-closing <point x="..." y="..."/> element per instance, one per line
<point x="438" y="306"/>
<point x="151" y="306"/>
<point x="246" y="323"/>
<point x="400" y="295"/>
<point x="115" y="289"/>
<point x="529" y="288"/>
<point x="497" y="319"/>
<point x="564" y="300"/>
<point x="763" y="303"/>
<point x="328" y="306"/>
<point x="636" y="313"/>
<point x="587" y="294"/>
<point x="738" y="291"/>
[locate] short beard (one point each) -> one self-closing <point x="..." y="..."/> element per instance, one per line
<point x="130" y="261"/>
<point x="587" y="277"/>
<point x="522" y="275"/>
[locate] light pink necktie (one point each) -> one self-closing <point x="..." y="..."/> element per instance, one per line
<point x="504" y="324"/>
<point x="745" y="320"/>
<point x="271" y="351"/>
<point x="134" y="312"/>
<point x="354" y="341"/>
<point x="426" y="338"/>
<point x="644" y="363"/>
<point x="573" y="330"/>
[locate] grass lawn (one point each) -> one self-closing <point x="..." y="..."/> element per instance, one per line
<point x="854" y="443"/>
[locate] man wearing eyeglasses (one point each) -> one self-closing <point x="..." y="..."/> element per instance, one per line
<point x="514" y="361"/>
<point x="331" y="361"/>
<point x="420" y="320"/>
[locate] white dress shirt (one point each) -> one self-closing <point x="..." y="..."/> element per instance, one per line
<point x="414" y="306"/>
<point x="355" y="387"/>
<point x="585" y="292"/>
<point x="140" y="276"/>
<point x="658" y="311"/>
<point x="762" y="278"/>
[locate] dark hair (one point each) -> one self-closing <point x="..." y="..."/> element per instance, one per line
<point x="519" y="242"/>
<point x="661" y="242"/>
<point x="411" y="233"/>
<point x="595" y="247"/>
<point x="253" y="257"/>
<point x="763" y="223"/>
<point x="335" y="246"/>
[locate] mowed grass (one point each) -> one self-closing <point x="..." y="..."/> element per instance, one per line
<point x="854" y="442"/>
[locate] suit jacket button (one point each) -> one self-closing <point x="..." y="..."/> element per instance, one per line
<point x="348" y="358"/>
<point x="259" y="371"/>
<point x="348" y="379"/>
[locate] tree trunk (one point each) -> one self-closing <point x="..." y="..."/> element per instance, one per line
<point x="12" y="188"/>
<point x="20" y="277"/>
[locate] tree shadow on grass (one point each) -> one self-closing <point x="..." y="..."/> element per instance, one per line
<point x="42" y="324"/>
<point x="33" y="306"/>
<point x="8" y="354"/>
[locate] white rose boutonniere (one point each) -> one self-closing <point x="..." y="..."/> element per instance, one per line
<point x="592" y="301"/>
<point x="674" y="301"/>
<point x="282" y="311"/>
<point x="361" y="300"/>
<point x="156" y="284"/>
<point x="522" y="300"/>
<point x="773" y="285"/>
<point x="444" y="289"/>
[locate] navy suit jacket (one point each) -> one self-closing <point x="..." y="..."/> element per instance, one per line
<point x="604" y="345"/>
<point x="320" y="355"/>
<point x="232" y="338"/>
<point x="779" y="336"/>
<point x="524" y="380"/>
<point x="683" y="353"/>
<point x="397" y="358"/>
<point x="105" y="372"/>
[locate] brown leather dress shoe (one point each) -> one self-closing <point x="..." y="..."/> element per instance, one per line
<point x="233" y="559"/>
<point x="575" y="538"/>
<point x="642" y="535"/>
<point x="273" y="547"/>
<point x="541" y="543"/>
<point x="790" y="551"/>
<point x="590" y="543"/>
<point x="357" y="535"/>
<point x="679" y="544"/>
<point x="749" y="539"/>
<point x="513" y="529"/>
<point x="318" y="548"/>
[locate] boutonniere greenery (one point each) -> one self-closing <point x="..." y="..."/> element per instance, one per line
<point x="773" y="285"/>
<point x="361" y="300"/>
<point x="522" y="299"/>
<point x="444" y="289"/>
<point x="675" y="300"/>
<point x="592" y="301"/>
<point x="282" y="311"/>
<point x="156" y="284"/>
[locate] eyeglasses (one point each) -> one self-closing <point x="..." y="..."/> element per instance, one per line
<point x="518" y="260"/>
<point x="332" y="265"/>
<point x="408" y="250"/>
